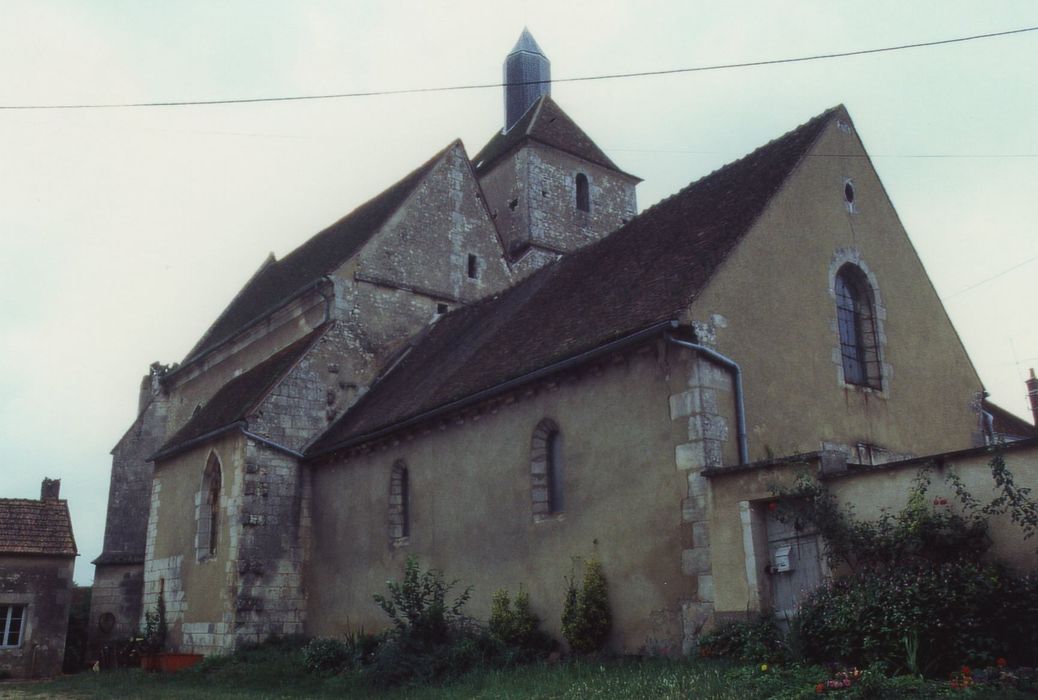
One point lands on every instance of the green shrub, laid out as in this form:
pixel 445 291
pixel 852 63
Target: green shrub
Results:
pixel 418 605
pixel 586 616
pixel 406 660
pixel 431 639
pixel 923 618
pixel 327 656
pixel 518 628
pixel 755 641
pixel 916 594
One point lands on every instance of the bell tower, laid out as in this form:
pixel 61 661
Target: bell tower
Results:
pixel 527 78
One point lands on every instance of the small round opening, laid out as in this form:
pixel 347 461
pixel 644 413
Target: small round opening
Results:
pixel 848 192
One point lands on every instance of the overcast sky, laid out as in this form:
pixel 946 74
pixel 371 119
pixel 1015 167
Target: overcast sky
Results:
pixel 126 231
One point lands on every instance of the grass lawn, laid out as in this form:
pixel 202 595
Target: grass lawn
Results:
pixel 275 672
pixel 649 679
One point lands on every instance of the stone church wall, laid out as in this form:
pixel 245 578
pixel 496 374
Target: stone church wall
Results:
pixel 472 509
pixel 532 194
pixel 426 246
pixel 118 576
pixel 272 548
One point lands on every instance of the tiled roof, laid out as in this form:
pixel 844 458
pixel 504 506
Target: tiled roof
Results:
pixel 642 274
pixel 239 397
pixel 36 527
pixel 277 281
pixel 547 123
pixel 1007 424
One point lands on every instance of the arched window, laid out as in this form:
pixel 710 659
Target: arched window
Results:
pixel 855 317
pixel 208 509
pixel 546 473
pixel 583 193
pixel 399 503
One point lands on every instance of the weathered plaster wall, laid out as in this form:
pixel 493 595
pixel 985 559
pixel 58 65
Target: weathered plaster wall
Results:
pixel 199 592
pixel 44 586
pixel 771 308
pixel 889 488
pixel 472 507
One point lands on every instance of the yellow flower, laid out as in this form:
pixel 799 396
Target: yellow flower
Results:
pixel 764 667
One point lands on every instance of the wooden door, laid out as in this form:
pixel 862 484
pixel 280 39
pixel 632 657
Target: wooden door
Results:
pixel 794 564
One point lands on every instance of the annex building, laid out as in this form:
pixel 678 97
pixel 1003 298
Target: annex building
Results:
pixel 498 366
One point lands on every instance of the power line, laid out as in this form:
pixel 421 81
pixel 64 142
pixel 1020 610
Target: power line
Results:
pixel 992 278
pixel 483 86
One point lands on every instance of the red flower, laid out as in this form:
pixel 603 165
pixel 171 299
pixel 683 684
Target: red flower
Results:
pixel 1000 662
pixel 820 688
pixel 773 506
pixel 966 670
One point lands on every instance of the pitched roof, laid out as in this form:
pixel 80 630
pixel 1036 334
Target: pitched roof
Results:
pixel 36 527
pixel 546 123
pixel 239 397
pixel 642 274
pixel 278 281
pixel 1007 424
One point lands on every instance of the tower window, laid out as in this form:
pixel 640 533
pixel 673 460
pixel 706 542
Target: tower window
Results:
pixel 473 267
pixel 855 317
pixel 583 193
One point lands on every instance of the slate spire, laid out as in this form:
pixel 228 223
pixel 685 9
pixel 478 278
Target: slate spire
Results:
pixel 525 65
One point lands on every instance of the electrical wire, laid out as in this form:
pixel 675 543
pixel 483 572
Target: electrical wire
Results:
pixel 483 86
pixel 992 277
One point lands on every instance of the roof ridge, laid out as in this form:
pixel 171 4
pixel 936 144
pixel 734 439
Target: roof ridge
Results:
pixel 278 282
pixel 571 139
pixel 730 164
pixel 34 500
pixel 271 259
pixel 536 112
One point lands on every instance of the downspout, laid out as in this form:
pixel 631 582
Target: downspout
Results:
pixel 733 367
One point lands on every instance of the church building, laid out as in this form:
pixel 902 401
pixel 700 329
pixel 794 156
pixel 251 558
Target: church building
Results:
pixel 499 367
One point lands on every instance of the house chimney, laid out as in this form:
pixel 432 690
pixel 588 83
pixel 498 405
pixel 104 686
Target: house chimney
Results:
pixel 50 489
pixel 1032 395
pixel 527 78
